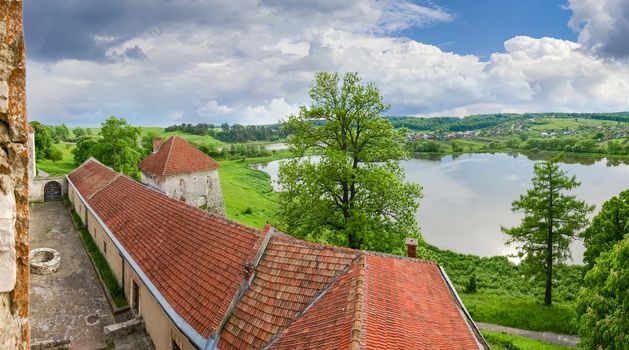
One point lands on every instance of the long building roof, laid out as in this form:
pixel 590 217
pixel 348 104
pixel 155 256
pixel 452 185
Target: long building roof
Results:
pixel 229 286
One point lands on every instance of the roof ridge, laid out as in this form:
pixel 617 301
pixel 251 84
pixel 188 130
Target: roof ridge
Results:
pixel 170 150
pixel 105 186
pixel 314 300
pixel 357 336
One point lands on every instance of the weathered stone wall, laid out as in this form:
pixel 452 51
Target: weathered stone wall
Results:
pixel 14 247
pixel 36 187
pixel 202 189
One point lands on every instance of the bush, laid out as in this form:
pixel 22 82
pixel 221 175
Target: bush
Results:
pixel 470 286
pixel 248 211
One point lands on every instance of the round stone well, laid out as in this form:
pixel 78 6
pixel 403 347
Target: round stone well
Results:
pixel 44 261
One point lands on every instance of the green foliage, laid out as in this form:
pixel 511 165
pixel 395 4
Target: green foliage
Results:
pixel 551 220
pixel 470 286
pixel 61 133
pixel 83 149
pixel 609 226
pixel 60 167
pixel 521 312
pixel 43 140
pixel 55 155
pixel 244 187
pixel 117 146
pixel 104 271
pixel 426 146
pixel 355 195
pixel 603 304
pixel 502 341
pixel 79 132
pixel 457 147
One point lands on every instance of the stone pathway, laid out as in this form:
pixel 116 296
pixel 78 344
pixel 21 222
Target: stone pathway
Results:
pixel 69 303
pixel 549 337
pixel 134 341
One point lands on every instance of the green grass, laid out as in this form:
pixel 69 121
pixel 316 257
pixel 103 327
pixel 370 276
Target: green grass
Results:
pixel 521 312
pixel 198 139
pixel 505 296
pixel 249 196
pixel 547 124
pixel 62 167
pixel 502 341
pixel 101 264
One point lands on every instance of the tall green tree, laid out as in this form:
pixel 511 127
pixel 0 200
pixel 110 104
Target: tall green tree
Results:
pixel 78 132
pixel 354 194
pixel 43 140
pixel 552 219
pixel 118 146
pixel 62 132
pixel 83 149
pixel 603 302
pixel 609 226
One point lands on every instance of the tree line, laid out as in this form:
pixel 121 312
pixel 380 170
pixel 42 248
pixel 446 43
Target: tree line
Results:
pixel 235 133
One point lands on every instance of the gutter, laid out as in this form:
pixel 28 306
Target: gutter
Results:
pixel 195 337
pixel 479 337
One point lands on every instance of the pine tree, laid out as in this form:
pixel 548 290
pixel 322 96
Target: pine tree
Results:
pixel 552 218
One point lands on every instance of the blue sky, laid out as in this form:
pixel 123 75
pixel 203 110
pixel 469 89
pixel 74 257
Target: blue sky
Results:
pixel 481 27
pixel 158 62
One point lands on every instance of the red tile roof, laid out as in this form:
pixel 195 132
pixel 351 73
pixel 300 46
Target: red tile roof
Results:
pixel 295 294
pixel 335 320
pixel 177 156
pixel 194 259
pixel 289 276
pixel 410 306
pixel 91 176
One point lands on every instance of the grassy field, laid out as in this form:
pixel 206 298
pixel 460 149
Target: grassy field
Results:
pixel 506 297
pixel 249 196
pixel 198 139
pixel 62 167
pixel 502 341
pixel 521 312
pixel 548 124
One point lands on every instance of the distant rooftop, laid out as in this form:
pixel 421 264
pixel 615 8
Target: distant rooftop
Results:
pixel 176 156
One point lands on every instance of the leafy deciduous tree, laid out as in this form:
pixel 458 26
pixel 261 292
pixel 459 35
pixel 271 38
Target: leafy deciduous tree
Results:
pixel 603 303
pixel 609 226
pixel 43 140
pixel 551 220
pixel 355 194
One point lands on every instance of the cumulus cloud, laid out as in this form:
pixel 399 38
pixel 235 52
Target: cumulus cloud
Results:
pixel 253 61
pixel 603 26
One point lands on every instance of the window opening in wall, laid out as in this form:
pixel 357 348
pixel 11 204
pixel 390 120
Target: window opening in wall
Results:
pixel 136 298
pixel 175 345
pixel 105 247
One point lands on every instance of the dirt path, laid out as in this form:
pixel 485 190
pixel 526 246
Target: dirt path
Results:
pixel 549 337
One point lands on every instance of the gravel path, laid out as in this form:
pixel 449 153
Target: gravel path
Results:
pixel 549 337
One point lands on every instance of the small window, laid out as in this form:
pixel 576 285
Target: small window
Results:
pixel 104 246
pixel 175 345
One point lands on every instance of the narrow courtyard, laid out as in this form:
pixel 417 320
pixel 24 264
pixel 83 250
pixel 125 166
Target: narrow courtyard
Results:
pixel 70 303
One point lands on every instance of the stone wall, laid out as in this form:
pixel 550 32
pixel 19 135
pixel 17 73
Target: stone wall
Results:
pixel 14 247
pixel 36 187
pixel 202 189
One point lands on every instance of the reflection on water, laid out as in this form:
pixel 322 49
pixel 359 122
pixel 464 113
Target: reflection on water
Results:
pixel 468 197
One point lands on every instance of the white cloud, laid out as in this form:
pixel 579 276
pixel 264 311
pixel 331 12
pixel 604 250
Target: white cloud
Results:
pixel 212 108
pixel 270 112
pixel 260 71
pixel 603 25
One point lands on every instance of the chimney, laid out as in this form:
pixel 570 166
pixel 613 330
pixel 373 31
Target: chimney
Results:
pixel 156 143
pixel 411 247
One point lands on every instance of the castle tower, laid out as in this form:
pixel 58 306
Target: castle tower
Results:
pixel 182 172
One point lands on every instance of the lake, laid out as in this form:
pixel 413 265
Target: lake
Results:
pixel 467 198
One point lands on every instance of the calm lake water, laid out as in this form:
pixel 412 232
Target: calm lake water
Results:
pixel 467 198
